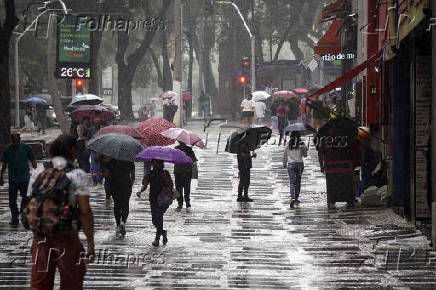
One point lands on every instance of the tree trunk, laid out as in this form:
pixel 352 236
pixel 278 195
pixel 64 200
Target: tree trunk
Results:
pixel 125 92
pixel 96 42
pixel 52 84
pixel 157 67
pixel 6 29
pixel 166 68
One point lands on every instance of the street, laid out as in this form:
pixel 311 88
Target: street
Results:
pixel 222 244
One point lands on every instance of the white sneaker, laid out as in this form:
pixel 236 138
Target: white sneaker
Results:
pixel 188 209
pixel 117 231
pixel 179 208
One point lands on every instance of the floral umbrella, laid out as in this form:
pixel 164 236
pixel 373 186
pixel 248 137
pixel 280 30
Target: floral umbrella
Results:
pixel 92 111
pixel 122 129
pixel 285 94
pixel 151 129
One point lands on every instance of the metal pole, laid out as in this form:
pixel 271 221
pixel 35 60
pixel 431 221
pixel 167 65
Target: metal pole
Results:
pixel 218 144
pixel 17 85
pixel 253 64
pixel 433 129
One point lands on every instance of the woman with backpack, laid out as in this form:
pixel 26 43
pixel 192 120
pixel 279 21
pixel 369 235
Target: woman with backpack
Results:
pixel 159 180
pixel 56 241
pixel 293 161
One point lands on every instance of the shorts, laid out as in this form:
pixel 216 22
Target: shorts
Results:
pixel 247 114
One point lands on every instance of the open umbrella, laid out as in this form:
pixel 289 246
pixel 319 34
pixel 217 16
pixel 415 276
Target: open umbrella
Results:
pixel 187 96
pixel 151 129
pixel 300 90
pixel 258 135
pixel 285 94
pixel 339 127
pixel 165 154
pixel 168 95
pixel 260 96
pixel 87 99
pixel 36 100
pixel 92 111
pixel 70 108
pixel 184 136
pixel 122 129
pixel 303 129
pixel 117 146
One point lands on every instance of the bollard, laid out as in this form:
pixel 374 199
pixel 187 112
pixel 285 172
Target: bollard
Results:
pixel 207 135
pixel 218 144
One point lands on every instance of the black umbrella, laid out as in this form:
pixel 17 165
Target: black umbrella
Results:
pixel 258 135
pixel 339 127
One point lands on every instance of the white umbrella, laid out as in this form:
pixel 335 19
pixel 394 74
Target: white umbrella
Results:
pixel 168 95
pixel 260 96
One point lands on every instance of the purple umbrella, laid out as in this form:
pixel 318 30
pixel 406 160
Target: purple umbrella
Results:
pixel 165 154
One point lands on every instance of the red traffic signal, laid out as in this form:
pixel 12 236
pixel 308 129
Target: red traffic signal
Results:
pixel 242 79
pixel 79 83
pixel 245 62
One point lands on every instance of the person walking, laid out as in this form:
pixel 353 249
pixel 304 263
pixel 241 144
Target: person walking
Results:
pixel 158 179
pixel 293 161
pixel 319 112
pixel 281 113
pixel 29 125
pixel 84 131
pixel 120 178
pixel 183 177
pixel 95 168
pixel 273 110
pixel 293 112
pixel 244 165
pixel 260 108
pixel 63 249
pixel 17 156
pixel 41 116
pixel 248 110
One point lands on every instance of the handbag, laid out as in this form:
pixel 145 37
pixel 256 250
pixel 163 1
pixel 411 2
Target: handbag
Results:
pixel 194 170
pixel 165 197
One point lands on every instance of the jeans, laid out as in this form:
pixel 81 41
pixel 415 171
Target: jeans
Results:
pixel 157 213
pixel 14 187
pixel 295 170
pixel 121 203
pixel 274 122
pixel 244 181
pixel 183 186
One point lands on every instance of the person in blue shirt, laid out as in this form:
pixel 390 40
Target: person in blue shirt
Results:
pixel 17 155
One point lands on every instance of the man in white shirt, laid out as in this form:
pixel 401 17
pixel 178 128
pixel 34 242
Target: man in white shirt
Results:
pixel 260 111
pixel 248 110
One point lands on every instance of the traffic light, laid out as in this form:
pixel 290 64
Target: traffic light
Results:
pixel 245 65
pixel 79 85
pixel 242 79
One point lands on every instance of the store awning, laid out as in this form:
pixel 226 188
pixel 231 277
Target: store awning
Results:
pixel 330 42
pixel 346 77
pixel 330 12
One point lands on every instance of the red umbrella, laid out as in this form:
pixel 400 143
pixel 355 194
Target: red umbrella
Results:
pixel 151 130
pixel 122 129
pixel 92 111
pixel 285 94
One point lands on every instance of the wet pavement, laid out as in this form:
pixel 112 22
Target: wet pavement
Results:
pixel 222 244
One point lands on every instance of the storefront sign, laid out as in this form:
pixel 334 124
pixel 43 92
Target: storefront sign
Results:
pixel 339 56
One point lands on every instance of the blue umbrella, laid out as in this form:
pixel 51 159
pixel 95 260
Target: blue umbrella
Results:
pixel 35 100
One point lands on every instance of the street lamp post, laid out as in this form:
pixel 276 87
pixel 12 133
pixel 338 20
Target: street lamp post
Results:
pixel 17 61
pixel 252 38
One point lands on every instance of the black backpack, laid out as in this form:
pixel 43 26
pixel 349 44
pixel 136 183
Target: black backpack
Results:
pixel 51 208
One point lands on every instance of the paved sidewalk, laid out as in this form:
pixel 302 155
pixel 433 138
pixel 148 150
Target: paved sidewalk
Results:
pixel 261 245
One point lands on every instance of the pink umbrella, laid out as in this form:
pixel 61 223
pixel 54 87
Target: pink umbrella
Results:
pixel 122 129
pixel 184 136
pixel 151 129
pixel 284 94
pixel 300 91
pixel 168 95
pixel 187 96
pixel 92 111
